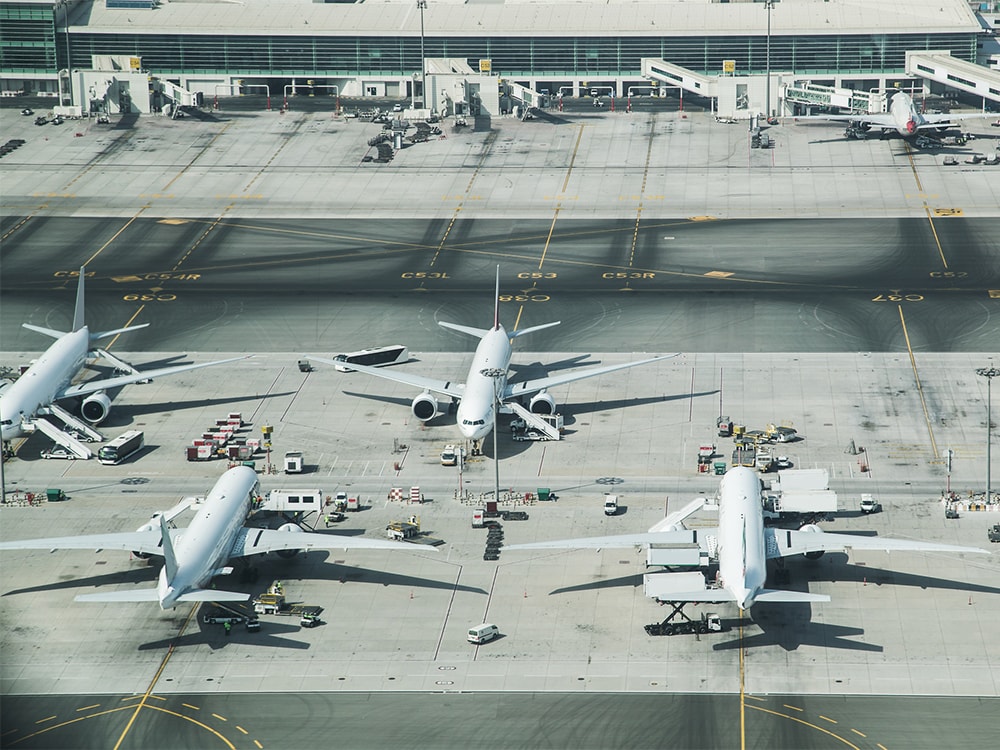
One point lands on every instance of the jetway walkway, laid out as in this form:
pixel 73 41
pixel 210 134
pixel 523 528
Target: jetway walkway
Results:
pixel 527 97
pixel 942 67
pixel 656 69
pixel 815 95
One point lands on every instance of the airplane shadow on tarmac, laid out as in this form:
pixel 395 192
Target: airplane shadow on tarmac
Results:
pixel 214 637
pixel 137 575
pixel 789 625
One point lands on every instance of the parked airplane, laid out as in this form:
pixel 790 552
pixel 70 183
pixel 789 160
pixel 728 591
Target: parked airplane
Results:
pixel 49 379
pixel 193 556
pixel 902 117
pixel 481 391
pixel 745 545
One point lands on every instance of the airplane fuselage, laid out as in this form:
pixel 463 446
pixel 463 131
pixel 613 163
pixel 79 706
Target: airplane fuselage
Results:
pixel 475 410
pixel 742 561
pixel 204 547
pixel 53 371
pixel 904 115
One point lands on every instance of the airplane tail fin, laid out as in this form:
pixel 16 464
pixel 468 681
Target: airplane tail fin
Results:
pixel 170 559
pixel 138 595
pixel 78 321
pixel 496 302
pixel 775 595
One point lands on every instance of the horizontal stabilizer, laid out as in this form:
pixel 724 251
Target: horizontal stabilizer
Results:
pixel 526 331
pixel 46 331
pixel 138 595
pixel 115 332
pixel 774 595
pixel 212 595
pixel 477 332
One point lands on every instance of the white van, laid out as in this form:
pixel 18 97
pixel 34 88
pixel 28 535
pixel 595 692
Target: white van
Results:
pixel 483 633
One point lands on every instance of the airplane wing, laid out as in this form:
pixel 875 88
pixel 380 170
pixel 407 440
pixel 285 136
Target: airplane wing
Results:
pixel 944 120
pixel 618 541
pixel 144 542
pixel 446 387
pixel 529 387
pixel 257 541
pixel 92 386
pixel 785 542
pixel 876 120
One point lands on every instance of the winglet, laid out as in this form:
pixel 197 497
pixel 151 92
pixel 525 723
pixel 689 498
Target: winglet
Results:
pixel 169 558
pixel 78 321
pixel 496 304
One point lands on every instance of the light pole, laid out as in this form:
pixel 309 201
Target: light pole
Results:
pixel 422 6
pixel 989 373
pixel 768 5
pixel 494 374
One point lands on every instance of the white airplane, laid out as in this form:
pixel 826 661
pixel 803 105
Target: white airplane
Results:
pixel 193 556
pixel 745 545
pixel 49 379
pixel 902 117
pixel 480 392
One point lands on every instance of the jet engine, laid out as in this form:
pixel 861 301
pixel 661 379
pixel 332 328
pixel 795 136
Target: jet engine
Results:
pixel 813 528
pixel 153 525
pixel 426 407
pixel 542 403
pixel 289 528
pixel 95 408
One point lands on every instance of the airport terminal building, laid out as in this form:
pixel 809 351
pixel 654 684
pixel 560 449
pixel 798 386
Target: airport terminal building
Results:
pixel 375 48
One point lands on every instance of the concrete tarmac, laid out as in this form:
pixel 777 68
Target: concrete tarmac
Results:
pixel 649 231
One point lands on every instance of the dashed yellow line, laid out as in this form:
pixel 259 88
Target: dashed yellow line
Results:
pixel 920 389
pixel 817 727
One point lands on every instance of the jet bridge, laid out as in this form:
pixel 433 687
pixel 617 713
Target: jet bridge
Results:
pixel 656 69
pixel 815 95
pixel 940 66
pixel 527 97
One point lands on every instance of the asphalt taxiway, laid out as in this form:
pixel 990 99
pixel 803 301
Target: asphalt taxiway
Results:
pixel 770 271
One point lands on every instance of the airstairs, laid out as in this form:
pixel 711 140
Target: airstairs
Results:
pixel 68 419
pixel 537 421
pixel 67 441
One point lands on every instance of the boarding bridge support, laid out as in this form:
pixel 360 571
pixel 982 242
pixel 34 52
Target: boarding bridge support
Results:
pixel 941 67
pixel 69 442
pixel 815 95
pixel 536 421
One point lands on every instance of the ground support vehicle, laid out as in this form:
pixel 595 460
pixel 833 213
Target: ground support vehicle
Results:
pixel 677 622
pixel 869 504
pixel 610 505
pixel 994 533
